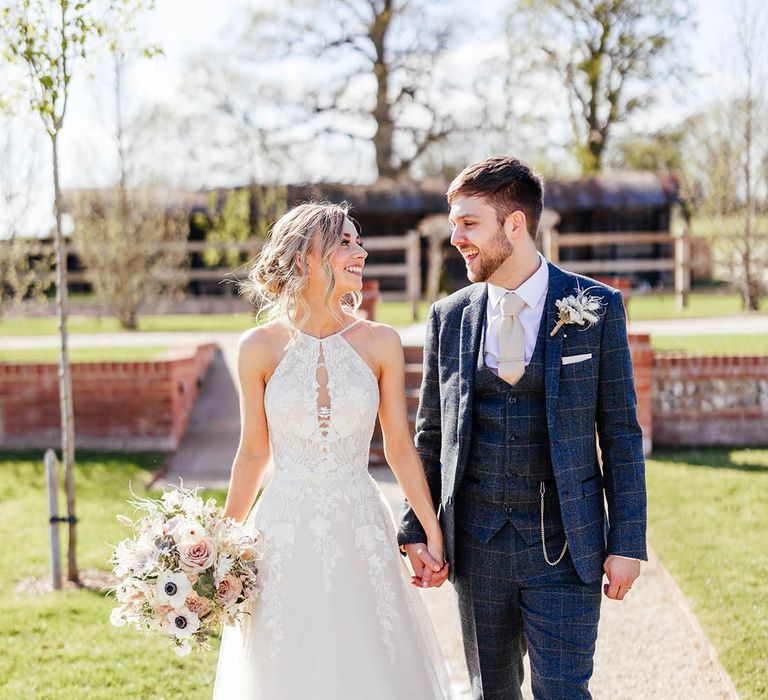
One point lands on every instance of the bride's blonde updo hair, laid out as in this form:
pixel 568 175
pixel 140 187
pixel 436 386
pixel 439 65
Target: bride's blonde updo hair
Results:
pixel 278 276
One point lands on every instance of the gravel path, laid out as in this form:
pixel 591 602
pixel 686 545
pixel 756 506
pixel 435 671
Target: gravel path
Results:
pixel 649 645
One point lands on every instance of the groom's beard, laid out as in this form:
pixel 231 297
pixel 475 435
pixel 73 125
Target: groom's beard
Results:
pixel 492 258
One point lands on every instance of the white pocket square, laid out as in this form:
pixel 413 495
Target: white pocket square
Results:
pixel 572 359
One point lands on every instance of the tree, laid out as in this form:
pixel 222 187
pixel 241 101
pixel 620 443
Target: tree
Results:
pixel 662 150
pixel 25 263
pixel 133 247
pixel 25 271
pixel 726 148
pixel 751 23
pixel 233 221
pixel 50 38
pixel 134 250
pixel 437 230
pixel 370 76
pixel 609 55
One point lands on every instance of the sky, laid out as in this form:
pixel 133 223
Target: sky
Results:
pixel 186 28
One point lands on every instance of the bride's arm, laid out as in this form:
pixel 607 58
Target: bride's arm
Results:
pixel 399 449
pixel 253 451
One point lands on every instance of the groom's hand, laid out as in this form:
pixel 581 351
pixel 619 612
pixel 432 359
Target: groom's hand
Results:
pixel 621 573
pixel 427 572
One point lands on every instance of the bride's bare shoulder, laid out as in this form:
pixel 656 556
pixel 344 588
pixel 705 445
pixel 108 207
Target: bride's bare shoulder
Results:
pixel 383 341
pixel 381 331
pixel 261 347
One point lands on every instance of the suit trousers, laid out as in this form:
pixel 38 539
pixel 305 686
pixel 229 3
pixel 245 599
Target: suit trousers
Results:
pixel 510 600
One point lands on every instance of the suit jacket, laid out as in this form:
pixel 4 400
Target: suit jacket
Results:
pixel 593 395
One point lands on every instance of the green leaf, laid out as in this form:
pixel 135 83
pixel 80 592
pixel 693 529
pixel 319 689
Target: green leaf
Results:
pixel 204 586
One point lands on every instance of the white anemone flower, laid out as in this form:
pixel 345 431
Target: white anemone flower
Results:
pixel 182 623
pixel 172 588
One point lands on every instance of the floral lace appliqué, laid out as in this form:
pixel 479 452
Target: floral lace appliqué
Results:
pixel 321 404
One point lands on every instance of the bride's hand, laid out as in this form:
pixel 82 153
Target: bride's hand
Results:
pixel 429 577
pixel 435 547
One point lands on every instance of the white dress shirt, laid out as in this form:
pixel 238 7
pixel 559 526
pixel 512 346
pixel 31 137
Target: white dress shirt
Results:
pixel 534 293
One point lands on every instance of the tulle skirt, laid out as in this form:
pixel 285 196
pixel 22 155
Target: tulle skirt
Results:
pixel 337 619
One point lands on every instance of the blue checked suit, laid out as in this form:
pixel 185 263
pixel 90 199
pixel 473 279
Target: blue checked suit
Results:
pixel 581 399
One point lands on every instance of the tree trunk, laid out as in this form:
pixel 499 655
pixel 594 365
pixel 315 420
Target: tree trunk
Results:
pixel 595 149
pixel 128 319
pixel 434 268
pixel 382 139
pixel 65 378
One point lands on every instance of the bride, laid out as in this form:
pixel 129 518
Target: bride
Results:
pixel 337 617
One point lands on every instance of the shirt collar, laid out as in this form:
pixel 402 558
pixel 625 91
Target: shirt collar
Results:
pixel 529 291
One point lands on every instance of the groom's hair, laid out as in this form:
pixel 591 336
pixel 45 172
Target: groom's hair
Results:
pixel 507 184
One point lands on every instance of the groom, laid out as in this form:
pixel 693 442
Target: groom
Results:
pixel 512 405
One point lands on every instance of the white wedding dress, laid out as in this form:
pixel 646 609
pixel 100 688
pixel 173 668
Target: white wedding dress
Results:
pixel 337 618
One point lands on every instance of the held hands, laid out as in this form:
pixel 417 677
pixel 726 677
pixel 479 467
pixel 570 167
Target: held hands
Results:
pixel 621 575
pixel 427 563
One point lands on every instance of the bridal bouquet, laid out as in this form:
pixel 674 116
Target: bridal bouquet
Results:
pixel 185 570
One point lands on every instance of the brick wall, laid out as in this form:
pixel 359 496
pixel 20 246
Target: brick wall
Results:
pixel 702 401
pixel 642 363
pixel 118 405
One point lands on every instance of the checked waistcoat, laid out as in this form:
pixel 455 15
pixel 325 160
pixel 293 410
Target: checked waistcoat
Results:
pixel 509 452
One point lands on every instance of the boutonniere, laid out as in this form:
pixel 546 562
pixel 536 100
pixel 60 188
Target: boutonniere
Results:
pixel 582 309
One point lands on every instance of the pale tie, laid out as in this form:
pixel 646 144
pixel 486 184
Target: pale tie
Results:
pixel 511 339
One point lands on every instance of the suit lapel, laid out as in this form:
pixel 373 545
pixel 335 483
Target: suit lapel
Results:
pixel 472 319
pixel 557 289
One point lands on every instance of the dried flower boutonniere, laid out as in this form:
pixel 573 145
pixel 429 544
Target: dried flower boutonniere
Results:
pixel 583 309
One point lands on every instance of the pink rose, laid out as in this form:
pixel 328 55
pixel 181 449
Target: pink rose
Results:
pixel 197 556
pixel 229 589
pixel 200 606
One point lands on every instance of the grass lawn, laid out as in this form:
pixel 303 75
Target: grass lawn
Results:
pixel 394 313
pixel 707 522
pixel 108 354
pixel 61 646
pixel 655 306
pixel 399 313
pixel 714 225
pixel 721 344
pixel 46 325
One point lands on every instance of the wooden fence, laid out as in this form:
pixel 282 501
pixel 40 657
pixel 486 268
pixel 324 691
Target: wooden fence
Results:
pixel 409 270
pixel 679 262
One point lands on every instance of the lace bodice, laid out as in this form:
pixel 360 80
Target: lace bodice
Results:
pixel 321 404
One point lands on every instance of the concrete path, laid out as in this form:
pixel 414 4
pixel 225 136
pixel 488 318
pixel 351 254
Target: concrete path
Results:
pixel 726 325
pixel 411 335
pixel 209 445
